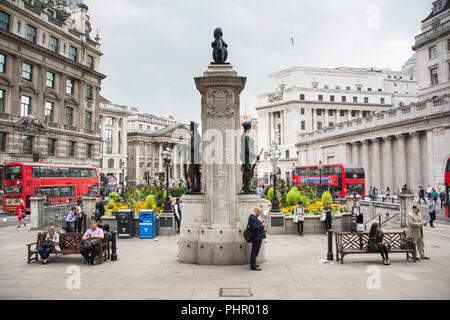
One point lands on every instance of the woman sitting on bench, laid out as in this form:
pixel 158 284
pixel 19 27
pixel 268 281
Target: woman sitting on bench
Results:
pixel 51 240
pixel 376 241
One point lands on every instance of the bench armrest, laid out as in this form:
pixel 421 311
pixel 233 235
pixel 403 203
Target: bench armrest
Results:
pixel 30 244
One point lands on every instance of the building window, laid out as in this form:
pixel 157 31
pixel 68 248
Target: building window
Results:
pixel 330 112
pixel 25 106
pixel 319 112
pixel 90 62
pixel 434 76
pixel 355 99
pixel 365 113
pixel 88 151
pixel 69 86
pixel 51 146
pixel 302 96
pixel 302 110
pixel 73 53
pixel 27 70
pixel 303 125
pixel 120 122
pixel 3 141
pixel 119 142
pixel 437 6
pixel 344 98
pixel 2 63
pixel 395 84
pixel 89 92
pixel 325 86
pixel 319 125
pixel 331 98
pixel 71 149
pixel 320 97
pixel 2 100
pixel 27 144
pixel 50 82
pixel 111 120
pixel 366 99
pixel 50 13
pixel 287 154
pixel 358 88
pixel 382 100
pixel 331 123
pixel 337 87
pixel 69 116
pixel 348 88
pixel 109 141
pixel 4 21
pixel 379 90
pixel 88 120
pixel 315 85
pixel 110 163
pixel 354 113
pixel 49 109
pixel 448 44
pixel 31 33
pixel 342 113
pixel 369 89
pixel 432 52
pixel 53 44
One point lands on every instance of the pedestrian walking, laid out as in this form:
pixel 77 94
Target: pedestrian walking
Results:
pixel 388 193
pixel 435 195
pixel 376 241
pixel 99 210
pixel 442 196
pixel 299 212
pixel 20 211
pixel 177 213
pixel 422 194
pixel 51 241
pixel 257 229
pixel 70 219
pixel 327 212
pixel 429 190
pixel 415 230
pixel 431 209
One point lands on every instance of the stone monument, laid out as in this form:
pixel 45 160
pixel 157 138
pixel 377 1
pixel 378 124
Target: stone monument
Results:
pixel 215 219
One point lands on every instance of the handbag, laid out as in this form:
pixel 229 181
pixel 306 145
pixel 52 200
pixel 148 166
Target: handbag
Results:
pixel 248 234
pixel 323 216
pixel 372 244
pixel 407 243
pixel 89 244
pixel 47 244
pixel 295 219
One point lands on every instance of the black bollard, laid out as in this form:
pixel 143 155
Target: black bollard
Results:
pixel 113 248
pixel 330 245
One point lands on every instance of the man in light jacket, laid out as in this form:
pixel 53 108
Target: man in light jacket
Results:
pixel 257 228
pixel 415 230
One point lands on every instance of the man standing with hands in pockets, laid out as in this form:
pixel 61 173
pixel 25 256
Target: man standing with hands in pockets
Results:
pixel 257 228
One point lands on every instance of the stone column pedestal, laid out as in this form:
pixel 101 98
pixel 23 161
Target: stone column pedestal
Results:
pixel 167 224
pixel 406 202
pixel 275 223
pixel 36 202
pixel 89 202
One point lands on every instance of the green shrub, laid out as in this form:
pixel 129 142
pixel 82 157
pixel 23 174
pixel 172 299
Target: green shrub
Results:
pixel 114 196
pixel 270 194
pixel 293 196
pixel 110 204
pixel 177 192
pixel 304 199
pixel 326 197
pixel 149 201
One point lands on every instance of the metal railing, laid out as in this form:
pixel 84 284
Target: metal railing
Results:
pixel 380 223
pixel 54 212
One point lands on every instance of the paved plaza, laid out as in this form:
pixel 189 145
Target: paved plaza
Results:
pixel 148 269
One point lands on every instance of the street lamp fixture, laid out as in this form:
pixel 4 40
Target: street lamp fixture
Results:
pixel 274 156
pixel 166 155
pixel 320 177
pixel 122 167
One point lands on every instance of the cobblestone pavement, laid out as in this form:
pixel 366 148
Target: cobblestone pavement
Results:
pixel 148 269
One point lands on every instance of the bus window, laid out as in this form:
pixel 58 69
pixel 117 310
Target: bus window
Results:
pixel 13 189
pixel 36 172
pixel 93 174
pixel 12 172
pixel 74 172
pixel 56 192
pixel 65 191
pixel 46 172
pixel 64 172
pixel 84 173
pixel 55 172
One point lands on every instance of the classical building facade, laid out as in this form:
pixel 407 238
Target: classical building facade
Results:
pixel 306 99
pixel 147 135
pixel 114 143
pixel 403 145
pixel 49 83
pixel 432 48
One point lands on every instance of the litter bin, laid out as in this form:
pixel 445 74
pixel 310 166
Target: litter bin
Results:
pixel 147 223
pixel 125 223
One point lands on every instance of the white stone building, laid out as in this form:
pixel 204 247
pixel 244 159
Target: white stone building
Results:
pixel 432 48
pixel 114 146
pixel 305 99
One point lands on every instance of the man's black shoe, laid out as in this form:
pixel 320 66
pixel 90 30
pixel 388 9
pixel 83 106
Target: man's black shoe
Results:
pixel 256 269
pixel 258 266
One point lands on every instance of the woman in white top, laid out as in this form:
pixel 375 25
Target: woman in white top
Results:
pixel 51 240
pixel 300 213
pixel 431 209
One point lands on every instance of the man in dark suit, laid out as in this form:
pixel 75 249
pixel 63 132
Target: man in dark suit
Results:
pixel 257 228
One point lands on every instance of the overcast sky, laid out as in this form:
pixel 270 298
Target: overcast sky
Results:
pixel 150 46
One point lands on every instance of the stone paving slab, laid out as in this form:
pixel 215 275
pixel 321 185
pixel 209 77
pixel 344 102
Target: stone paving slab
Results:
pixel 148 269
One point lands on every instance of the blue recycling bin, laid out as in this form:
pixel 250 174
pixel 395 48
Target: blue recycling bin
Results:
pixel 147 224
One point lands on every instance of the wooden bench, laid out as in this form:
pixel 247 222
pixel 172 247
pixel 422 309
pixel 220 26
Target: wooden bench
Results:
pixel 69 243
pixel 351 242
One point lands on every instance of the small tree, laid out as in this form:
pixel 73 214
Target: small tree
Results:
pixel 293 196
pixel 326 197
pixel 149 200
pixel 270 194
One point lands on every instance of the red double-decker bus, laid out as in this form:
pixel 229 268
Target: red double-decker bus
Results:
pixel 340 179
pixel 447 186
pixel 58 182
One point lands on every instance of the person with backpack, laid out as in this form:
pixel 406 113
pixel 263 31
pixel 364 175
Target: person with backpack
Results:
pixel 257 229
pixel 422 194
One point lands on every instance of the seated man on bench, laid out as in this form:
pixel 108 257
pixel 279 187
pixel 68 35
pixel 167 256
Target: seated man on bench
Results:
pixel 92 239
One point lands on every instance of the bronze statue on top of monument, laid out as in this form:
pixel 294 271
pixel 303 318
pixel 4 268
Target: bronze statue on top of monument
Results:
pixel 194 160
pixel 219 46
pixel 248 158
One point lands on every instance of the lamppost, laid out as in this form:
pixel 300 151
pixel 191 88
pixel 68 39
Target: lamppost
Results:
pixel 274 155
pixel 166 155
pixel 122 167
pixel 320 177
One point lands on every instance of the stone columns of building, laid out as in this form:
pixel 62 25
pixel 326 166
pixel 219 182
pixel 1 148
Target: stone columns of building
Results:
pixel 146 149
pixel 355 152
pixel 388 179
pixel 160 161
pixel 366 162
pixel 401 165
pixel 175 162
pixel 416 164
pixel 376 165
pixel 348 153
pixel 430 160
